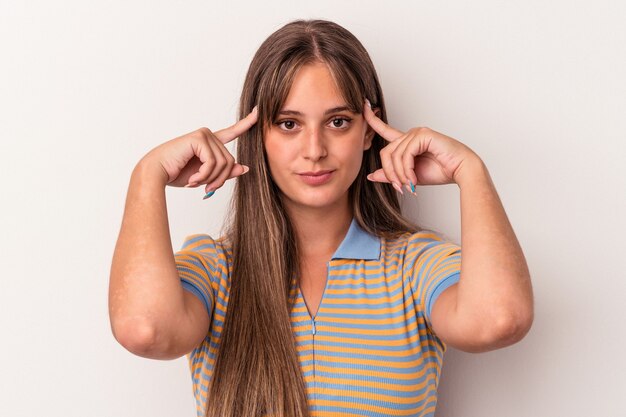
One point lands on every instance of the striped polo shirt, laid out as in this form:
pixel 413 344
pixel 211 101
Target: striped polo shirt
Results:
pixel 370 349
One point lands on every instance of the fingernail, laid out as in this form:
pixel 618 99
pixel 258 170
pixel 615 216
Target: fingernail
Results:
pixel 255 109
pixel 191 184
pixel 209 194
pixel 368 103
pixel 245 169
pixel 411 188
pixel 397 187
pixel 370 176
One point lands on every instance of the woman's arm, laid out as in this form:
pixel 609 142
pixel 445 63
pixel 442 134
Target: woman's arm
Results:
pixel 492 305
pixel 151 314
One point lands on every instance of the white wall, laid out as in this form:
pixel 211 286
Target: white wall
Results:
pixel 537 89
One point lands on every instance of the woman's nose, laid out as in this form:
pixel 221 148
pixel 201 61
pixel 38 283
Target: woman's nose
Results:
pixel 314 145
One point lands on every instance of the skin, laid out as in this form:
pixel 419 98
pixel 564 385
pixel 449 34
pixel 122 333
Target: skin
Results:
pixel 492 305
pixel 152 316
pixel 308 135
pixel 315 131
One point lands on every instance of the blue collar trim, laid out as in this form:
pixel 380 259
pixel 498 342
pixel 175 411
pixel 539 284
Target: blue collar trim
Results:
pixel 358 244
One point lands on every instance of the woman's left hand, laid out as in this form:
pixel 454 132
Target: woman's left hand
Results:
pixel 420 156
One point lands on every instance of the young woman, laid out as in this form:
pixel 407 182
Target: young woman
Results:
pixel 320 298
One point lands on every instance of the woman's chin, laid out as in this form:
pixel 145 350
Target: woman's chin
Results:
pixel 314 199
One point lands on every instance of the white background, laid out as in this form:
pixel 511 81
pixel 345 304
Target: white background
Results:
pixel 536 88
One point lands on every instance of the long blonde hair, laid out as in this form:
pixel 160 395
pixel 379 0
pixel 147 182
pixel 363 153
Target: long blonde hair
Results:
pixel 256 368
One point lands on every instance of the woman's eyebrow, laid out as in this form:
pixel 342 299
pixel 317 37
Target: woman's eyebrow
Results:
pixel 327 112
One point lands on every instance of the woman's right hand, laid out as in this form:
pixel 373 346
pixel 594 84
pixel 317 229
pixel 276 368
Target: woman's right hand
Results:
pixel 200 157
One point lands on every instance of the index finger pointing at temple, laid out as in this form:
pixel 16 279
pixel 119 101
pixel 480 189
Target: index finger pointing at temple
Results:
pixel 382 128
pixel 227 134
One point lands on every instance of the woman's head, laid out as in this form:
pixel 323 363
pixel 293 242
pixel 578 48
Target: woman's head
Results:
pixel 316 131
pixel 285 58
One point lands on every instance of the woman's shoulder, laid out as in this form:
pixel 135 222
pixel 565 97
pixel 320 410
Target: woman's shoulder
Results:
pixel 423 256
pixel 204 243
pixel 416 243
pixel 420 237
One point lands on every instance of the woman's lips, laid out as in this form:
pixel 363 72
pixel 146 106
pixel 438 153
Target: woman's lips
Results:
pixel 317 179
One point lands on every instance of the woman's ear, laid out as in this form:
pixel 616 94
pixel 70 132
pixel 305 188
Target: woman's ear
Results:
pixel 370 133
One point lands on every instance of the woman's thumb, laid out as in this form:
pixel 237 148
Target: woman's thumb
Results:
pixel 378 176
pixel 238 170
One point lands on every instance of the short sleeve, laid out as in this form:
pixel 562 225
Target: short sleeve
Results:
pixel 198 264
pixel 437 266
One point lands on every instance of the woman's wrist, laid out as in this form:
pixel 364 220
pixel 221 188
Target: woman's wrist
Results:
pixel 150 172
pixel 472 170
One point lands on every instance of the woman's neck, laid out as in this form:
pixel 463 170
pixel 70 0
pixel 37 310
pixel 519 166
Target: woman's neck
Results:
pixel 320 231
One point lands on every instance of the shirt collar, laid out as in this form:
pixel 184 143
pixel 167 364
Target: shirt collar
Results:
pixel 358 244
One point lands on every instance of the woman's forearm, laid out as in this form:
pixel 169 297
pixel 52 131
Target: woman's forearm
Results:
pixel 495 288
pixel 145 293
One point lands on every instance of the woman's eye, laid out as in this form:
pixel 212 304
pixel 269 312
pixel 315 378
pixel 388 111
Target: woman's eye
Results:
pixel 287 124
pixel 340 122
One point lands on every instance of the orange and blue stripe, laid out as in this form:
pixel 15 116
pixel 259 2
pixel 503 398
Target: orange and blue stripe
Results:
pixel 370 349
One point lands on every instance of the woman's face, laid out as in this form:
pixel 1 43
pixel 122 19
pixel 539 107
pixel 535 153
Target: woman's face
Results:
pixel 315 132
